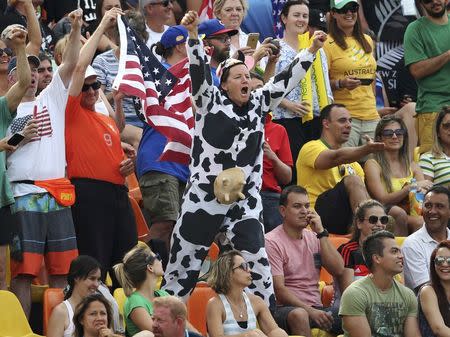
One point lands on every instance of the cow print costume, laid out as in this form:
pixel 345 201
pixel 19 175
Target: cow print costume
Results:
pixel 226 136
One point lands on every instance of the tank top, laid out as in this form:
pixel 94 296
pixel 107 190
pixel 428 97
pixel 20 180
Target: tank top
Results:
pixel 71 327
pixel 230 325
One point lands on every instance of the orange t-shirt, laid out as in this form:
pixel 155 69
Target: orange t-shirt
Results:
pixel 93 148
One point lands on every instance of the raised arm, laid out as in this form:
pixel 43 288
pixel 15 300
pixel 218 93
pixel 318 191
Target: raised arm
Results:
pixel 89 48
pixel 15 94
pixel 71 52
pixel 34 30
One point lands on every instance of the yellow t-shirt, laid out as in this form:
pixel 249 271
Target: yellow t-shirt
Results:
pixel 353 62
pixel 318 181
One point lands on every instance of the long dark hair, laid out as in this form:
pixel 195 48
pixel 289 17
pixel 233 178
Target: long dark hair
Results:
pixel 339 36
pixel 437 285
pixel 81 308
pixel 80 268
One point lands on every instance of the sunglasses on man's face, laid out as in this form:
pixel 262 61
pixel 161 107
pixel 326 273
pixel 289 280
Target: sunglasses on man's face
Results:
pixel 244 266
pixel 426 2
pixel 96 85
pixel 388 133
pixel 440 260
pixel 164 3
pixel 7 51
pixel 350 7
pixel 373 219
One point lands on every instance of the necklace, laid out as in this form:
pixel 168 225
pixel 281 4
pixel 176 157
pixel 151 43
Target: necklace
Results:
pixel 240 309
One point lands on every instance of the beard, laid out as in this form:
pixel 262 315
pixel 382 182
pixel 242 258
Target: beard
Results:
pixel 436 15
pixel 220 55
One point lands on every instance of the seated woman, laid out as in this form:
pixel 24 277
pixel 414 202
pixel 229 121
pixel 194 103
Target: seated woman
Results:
pixel 93 318
pixel 434 297
pixel 83 279
pixel 138 275
pixel 233 312
pixel 389 174
pixel 436 163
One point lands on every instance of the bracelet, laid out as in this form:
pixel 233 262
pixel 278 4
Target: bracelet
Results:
pixel 323 234
pixel 337 84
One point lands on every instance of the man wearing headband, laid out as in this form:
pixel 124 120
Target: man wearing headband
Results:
pixel 427 56
pixel 228 134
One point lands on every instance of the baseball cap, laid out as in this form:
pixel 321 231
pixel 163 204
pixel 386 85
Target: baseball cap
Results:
pixel 341 3
pixel 173 36
pixel 13 62
pixel 7 31
pixel 214 27
pixel 90 71
pixel 317 19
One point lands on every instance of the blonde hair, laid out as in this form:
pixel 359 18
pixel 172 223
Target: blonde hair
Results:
pixel 174 304
pixel 220 276
pixel 59 48
pixel 132 272
pixel 218 5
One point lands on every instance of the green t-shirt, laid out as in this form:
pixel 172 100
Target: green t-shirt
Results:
pixel 136 300
pixel 424 40
pixel 6 196
pixel 386 311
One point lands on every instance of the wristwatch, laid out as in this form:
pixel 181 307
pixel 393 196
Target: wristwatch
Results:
pixel 323 234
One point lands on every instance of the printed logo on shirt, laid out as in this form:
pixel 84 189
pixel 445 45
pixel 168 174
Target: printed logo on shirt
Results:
pixel 108 139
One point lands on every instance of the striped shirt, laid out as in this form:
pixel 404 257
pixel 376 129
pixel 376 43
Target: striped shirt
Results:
pixel 230 325
pixel 436 168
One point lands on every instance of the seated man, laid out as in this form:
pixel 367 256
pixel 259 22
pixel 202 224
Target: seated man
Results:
pixel 418 247
pixel 296 255
pixel 328 171
pixel 377 305
pixel 170 317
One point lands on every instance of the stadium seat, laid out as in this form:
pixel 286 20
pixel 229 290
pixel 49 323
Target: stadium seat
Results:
pixel 400 240
pixel 120 298
pixel 336 241
pixel 321 333
pixel 141 224
pixel 196 307
pixel 13 322
pixel 52 297
pixel 133 188
pixel 326 295
pixel 213 253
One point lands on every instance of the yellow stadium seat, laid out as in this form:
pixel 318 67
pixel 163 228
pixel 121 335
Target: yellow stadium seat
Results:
pixel 321 333
pixel 400 240
pixel 416 155
pixel 13 322
pixel 120 298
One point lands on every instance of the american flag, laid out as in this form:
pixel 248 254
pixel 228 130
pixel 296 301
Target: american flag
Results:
pixel 277 6
pixel 42 119
pixel 206 10
pixel 141 75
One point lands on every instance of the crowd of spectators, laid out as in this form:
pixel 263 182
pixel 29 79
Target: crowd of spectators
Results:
pixel 336 122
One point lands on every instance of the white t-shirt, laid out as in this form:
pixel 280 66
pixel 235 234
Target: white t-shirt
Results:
pixel 154 37
pixel 43 157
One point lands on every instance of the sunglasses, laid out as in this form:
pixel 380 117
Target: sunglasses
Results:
pixel 373 219
pixel 164 3
pixel 244 266
pixel 41 70
pixel 152 258
pixel 440 260
pixel 426 2
pixel 352 8
pixel 96 85
pixel 388 133
pixel 446 126
pixel 7 51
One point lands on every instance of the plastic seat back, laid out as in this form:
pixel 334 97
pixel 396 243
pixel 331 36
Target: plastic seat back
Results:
pixel 336 241
pixel 52 297
pixel 120 298
pixel 196 307
pixel 13 322
pixel 141 224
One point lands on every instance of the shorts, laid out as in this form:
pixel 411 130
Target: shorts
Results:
pixel 361 128
pixel 45 229
pixel 424 128
pixel 335 210
pixel 281 314
pixel 8 226
pixel 162 194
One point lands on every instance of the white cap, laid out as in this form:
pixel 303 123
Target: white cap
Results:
pixel 90 72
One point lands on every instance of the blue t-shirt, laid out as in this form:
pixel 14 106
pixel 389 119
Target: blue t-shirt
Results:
pixel 259 19
pixel 150 149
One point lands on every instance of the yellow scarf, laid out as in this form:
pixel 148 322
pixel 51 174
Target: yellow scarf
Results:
pixel 319 80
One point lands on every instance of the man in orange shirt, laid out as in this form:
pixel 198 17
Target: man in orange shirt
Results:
pixel 102 214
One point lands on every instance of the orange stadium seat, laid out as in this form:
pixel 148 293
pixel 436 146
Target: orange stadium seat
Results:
pixel 196 307
pixel 133 188
pixel 336 241
pixel 52 297
pixel 141 224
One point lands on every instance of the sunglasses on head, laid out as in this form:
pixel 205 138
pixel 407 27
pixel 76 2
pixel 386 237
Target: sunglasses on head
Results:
pixel 164 3
pixel 244 266
pixel 7 51
pixel 388 133
pixel 96 85
pixel 373 219
pixel 153 258
pixel 350 7
pixel 440 260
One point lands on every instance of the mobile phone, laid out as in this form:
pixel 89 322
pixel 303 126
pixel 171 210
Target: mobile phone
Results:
pixel 252 40
pixel 15 139
pixel 366 81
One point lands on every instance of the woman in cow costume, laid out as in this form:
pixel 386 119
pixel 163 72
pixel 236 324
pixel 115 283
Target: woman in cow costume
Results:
pixel 229 130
